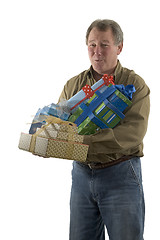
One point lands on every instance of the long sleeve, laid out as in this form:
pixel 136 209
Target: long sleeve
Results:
pixel 127 137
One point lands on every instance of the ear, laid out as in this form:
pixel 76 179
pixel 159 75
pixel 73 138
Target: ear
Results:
pixel 119 48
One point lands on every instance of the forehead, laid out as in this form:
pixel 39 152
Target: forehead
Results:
pixel 98 35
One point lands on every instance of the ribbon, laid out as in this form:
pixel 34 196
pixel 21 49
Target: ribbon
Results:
pixel 101 97
pixel 94 104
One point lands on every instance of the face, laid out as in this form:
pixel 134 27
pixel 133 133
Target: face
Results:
pixel 102 51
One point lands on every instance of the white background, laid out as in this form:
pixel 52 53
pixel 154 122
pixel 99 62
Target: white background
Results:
pixel 42 45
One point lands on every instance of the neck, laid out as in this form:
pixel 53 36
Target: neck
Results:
pixel 98 76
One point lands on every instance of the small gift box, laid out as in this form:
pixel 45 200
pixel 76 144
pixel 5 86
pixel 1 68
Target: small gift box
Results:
pixel 57 139
pixel 47 147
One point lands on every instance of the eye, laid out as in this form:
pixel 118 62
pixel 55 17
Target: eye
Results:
pixel 92 45
pixel 104 45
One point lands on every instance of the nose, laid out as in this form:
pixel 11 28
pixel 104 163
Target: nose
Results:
pixel 97 50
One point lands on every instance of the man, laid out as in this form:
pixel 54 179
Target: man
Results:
pixel 107 190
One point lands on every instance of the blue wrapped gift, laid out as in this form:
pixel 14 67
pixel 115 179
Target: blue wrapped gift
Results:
pixel 58 111
pixel 53 110
pixel 98 99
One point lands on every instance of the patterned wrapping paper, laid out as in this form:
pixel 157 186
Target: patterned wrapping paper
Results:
pixel 61 132
pixel 55 140
pixel 46 147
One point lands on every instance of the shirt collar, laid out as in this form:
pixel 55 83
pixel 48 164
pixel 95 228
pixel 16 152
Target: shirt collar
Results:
pixel 118 70
pixel 116 74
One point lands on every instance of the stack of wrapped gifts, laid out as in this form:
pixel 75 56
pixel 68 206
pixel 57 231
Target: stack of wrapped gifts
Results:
pixel 57 138
pixel 100 106
pixel 57 128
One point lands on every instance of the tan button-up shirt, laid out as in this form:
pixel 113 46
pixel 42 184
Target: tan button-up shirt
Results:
pixel 126 139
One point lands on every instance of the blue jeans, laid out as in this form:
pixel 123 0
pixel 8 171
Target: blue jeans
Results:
pixel 111 197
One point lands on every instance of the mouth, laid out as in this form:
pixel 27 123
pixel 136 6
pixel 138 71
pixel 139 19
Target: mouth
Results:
pixel 98 60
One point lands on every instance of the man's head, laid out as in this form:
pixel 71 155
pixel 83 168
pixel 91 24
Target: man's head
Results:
pixel 104 39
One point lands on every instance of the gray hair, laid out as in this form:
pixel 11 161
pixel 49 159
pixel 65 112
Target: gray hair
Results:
pixel 104 25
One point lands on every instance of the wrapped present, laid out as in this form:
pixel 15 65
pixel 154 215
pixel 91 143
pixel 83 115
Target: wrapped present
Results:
pixel 82 95
pixel 53 110
pixel 61 132
pixel 57 139
pixel 102 110
pixel 58 111
pixel 92 108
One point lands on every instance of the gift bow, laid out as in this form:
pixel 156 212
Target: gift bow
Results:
pixel 108 79
pixel 126 90
pixel 88 91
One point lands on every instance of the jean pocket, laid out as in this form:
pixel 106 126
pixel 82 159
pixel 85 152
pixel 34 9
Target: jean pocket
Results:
pixel 135 170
